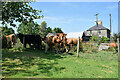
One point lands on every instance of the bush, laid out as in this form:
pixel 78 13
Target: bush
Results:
pixel 89 48
pixel 94 38
pixel 74 48
pixel 104 39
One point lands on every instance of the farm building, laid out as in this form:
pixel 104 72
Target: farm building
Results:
pixel 101 30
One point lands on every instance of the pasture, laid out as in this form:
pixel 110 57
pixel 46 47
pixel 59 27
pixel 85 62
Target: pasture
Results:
pixel 36 64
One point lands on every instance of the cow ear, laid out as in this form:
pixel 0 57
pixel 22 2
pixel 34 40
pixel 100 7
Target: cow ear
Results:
pixel 65 34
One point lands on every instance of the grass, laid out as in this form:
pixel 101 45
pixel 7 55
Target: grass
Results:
pixel 37 64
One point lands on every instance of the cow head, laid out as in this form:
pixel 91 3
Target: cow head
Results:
pixel 62 35
pixel 56 39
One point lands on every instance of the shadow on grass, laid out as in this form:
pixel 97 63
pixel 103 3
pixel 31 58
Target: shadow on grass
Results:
pixel 30 63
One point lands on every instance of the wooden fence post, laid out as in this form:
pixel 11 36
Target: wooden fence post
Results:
pixel 118 49
pixel 78 46
pixel 46 46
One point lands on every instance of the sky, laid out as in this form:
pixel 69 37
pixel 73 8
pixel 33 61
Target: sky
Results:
pixel 77 16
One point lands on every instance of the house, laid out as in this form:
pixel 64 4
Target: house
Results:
pixel 101 31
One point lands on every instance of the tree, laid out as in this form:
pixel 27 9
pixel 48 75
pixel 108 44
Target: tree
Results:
pixel 18 12
pixel 6 31
pixel 115 36
pixel 49 30
pixel 57 30
pixel 29 28
pixel 43 29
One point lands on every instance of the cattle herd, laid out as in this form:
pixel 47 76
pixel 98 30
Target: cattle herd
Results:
pixel 56 41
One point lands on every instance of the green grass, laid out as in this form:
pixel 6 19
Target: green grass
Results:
pixel 37 64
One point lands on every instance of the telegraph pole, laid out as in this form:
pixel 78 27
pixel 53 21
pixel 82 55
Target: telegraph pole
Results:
pixel 97 27
pixel 110 28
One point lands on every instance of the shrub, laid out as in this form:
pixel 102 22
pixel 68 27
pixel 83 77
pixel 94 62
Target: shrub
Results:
pixel 89 48
pixel 104 39
pixel 74 48
pixel 94 38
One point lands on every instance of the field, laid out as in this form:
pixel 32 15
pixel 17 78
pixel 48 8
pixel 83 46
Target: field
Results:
pixel 37 64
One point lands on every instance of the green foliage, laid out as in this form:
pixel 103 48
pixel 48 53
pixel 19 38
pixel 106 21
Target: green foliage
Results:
pixel 90 48
pixel 94 38
pixel 43 29
pixel 104 39
pixel 19 12
pixel 49 30
pixel 115 36
pixel 6 31
pixel 57 30
pixel 74 48
pixel 29 28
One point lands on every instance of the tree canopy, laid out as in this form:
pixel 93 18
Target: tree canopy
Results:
pixel 29 28
pixel 43 29
pixel 57 30
pixel 19 12
pixel 6 31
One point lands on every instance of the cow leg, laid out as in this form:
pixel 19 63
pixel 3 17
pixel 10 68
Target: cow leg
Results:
pixel 46 48
pixel 39 46
pixel 24 45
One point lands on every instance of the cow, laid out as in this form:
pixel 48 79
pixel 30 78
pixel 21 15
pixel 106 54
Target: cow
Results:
pixel 55 39
pixel 113 45
pixel 11 39
pixel 30 39
pixel 63 41
pixel 72 41
pixel 52 40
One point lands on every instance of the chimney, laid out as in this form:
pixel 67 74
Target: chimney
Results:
pixel 100 22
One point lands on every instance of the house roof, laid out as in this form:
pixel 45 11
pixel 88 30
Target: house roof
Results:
pixel 100 27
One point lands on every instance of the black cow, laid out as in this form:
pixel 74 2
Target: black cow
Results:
pixel 31 39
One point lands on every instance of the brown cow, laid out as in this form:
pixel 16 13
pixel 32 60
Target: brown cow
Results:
pixel 113 45
pixel 52 40
pixel 11 38
pixel 63 41
pixel 73 41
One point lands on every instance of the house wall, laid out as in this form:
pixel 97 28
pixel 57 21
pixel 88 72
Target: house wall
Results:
pixel 95 32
